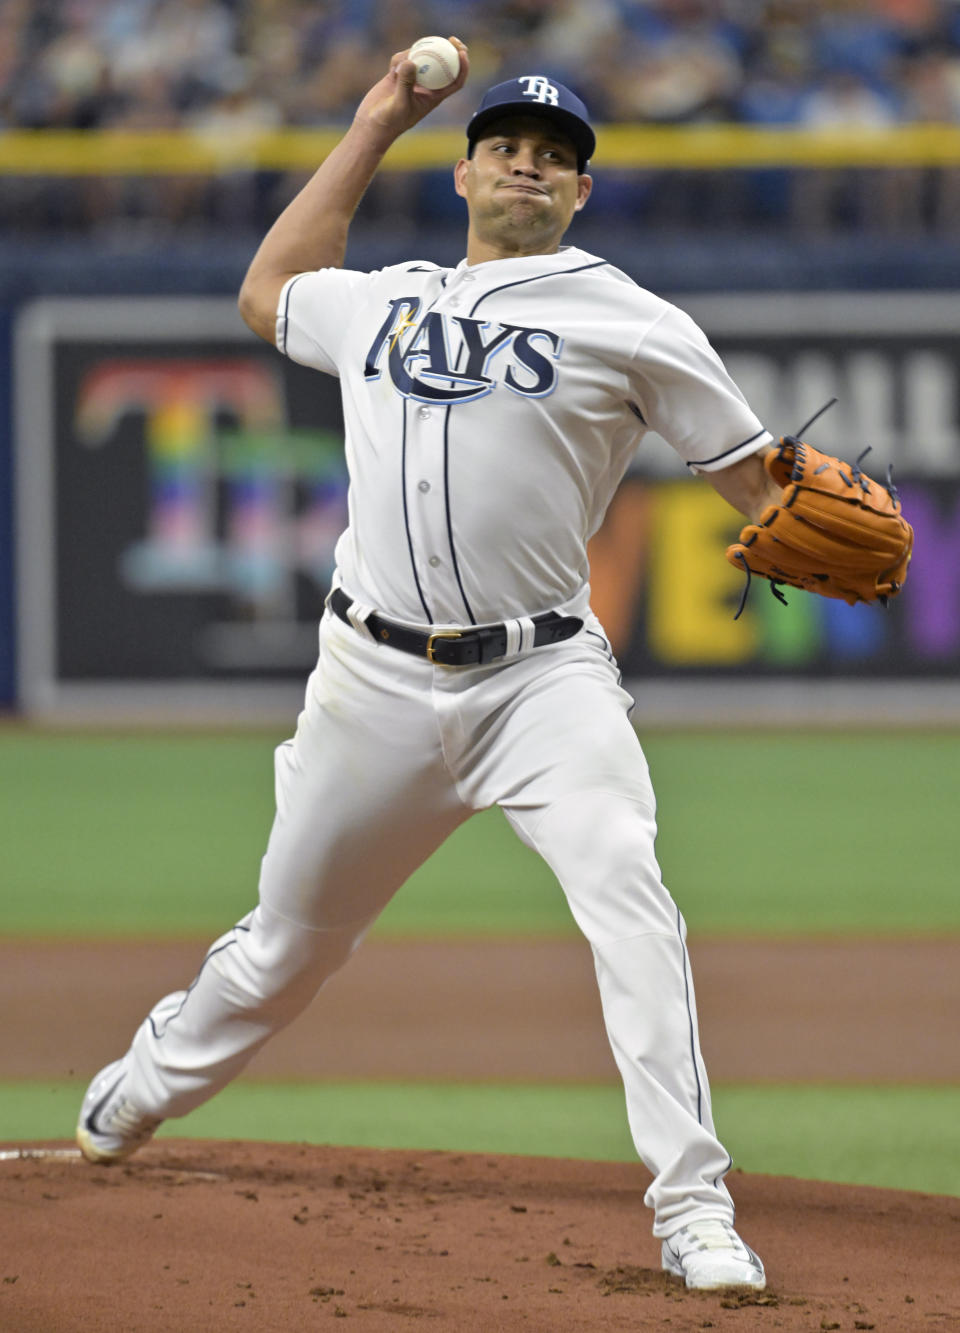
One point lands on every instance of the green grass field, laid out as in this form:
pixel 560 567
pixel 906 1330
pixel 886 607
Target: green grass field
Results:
pixel 147 835
pixel 161 835
pixel 901 1138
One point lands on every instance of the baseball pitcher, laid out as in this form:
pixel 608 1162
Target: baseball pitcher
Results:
pixel 491 410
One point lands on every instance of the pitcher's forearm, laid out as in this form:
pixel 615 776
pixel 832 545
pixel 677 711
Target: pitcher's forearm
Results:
pixel 747 486
pixel 311 232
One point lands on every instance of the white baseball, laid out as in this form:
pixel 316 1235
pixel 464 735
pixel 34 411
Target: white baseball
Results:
pixel 437 62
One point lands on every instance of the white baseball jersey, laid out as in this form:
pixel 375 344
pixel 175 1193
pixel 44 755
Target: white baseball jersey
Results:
pixel 490 414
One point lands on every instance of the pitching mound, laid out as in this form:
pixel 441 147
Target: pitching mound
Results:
pixel 233 1236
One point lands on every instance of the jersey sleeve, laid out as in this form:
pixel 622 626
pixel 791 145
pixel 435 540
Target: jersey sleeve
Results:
pixel 687 396
pixel 314 312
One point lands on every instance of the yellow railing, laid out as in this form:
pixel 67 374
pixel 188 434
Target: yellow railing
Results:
pixel 689 148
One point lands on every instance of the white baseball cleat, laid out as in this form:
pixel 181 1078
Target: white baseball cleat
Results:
pixel 111 1127
pixel 710 1254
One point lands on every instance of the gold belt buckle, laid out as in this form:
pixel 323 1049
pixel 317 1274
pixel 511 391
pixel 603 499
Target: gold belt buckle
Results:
pixel 442 634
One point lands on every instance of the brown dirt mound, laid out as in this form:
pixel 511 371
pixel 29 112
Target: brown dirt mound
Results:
pixel 232 1236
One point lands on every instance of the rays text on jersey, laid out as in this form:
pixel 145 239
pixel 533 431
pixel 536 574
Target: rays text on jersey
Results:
pixel 444 358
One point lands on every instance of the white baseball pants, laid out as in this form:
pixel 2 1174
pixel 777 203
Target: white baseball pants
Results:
pixel 390 755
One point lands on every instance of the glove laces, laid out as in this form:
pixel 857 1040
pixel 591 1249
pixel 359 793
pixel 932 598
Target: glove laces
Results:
pixel 775 588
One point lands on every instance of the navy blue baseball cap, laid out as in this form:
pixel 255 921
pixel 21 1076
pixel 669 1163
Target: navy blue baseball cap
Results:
pixel 536 95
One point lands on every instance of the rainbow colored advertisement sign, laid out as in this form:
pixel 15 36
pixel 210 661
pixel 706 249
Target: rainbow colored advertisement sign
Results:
pixel 181 488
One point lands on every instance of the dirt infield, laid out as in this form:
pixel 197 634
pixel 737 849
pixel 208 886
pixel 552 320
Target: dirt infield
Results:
pixel 210 1236
pixel 219 1236
pixel 867 1010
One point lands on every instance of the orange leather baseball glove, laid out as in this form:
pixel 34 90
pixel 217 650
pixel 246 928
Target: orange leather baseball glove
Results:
pixel 835 531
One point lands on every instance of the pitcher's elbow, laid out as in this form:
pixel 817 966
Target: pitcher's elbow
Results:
pixel 254 314
pixel 246 305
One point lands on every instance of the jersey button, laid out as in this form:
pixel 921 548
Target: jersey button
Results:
pixel 423 486
pixel 434 561
pixel 423 413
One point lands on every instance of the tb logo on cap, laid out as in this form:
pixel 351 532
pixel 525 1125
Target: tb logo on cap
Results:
pixel 540 89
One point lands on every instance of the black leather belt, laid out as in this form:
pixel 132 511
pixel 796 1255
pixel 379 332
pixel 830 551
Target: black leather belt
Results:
pixel 456 647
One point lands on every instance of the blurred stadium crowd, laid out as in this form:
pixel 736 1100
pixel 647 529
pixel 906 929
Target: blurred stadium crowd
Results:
pixel 241 65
